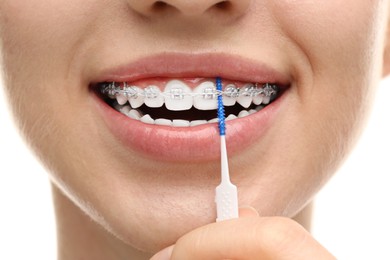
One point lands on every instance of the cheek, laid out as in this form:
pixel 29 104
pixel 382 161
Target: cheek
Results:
pixel 338 45
pixel 43 39
pixel 39 45
pixel 328 35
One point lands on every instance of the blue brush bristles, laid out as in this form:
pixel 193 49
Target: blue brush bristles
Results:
pixel 221 109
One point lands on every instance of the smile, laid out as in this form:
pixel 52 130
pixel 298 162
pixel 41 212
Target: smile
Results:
pixel 178 105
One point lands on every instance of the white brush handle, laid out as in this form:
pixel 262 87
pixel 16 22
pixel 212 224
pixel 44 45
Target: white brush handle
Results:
pixel 226 193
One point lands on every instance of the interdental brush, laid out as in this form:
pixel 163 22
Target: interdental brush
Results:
pixel 226 193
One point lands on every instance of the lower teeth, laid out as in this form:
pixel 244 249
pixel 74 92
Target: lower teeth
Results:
pixel 137 114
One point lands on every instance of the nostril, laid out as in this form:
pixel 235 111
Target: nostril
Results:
pixel 224 5
pixel 161 6
pixel 188 8
pixel 204 10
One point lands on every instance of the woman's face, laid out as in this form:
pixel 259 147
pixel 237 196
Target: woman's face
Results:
pixel 150 183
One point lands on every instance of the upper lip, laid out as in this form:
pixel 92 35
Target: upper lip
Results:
pixel 206 65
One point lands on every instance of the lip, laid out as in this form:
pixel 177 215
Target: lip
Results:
pixel 190 144
pixel 207 65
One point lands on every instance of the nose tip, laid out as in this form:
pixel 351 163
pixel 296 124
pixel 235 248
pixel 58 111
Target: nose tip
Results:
pixel 188 8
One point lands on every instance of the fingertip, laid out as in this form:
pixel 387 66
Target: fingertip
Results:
pixel 247 211
pixel 164 254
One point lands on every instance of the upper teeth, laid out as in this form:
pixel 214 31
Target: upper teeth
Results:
pixel 177 99
pixel 177 96
pixel 206 96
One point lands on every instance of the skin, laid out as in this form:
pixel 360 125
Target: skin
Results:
pixel 51 50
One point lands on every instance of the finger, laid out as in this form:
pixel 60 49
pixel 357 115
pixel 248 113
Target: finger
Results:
pixel 250 238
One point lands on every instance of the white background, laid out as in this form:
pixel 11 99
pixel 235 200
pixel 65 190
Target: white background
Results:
pixel 351 214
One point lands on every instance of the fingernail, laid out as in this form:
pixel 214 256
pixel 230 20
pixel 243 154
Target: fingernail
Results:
pixel 164 254
pixel 248 211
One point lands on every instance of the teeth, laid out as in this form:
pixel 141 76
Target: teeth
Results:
pixel 153 97
pixel 243 113
pixel 245 99
pixel 230 96
pixel 147 119
pixel 252 111
pixel 117 107
pixel 198 122
pixel 259 108
pixel 180 123
pixel 130 91
pixel 135 114
pixel 125 110
pixel 266 100
pixel 207 98
pixel 122 99
pixel 231 117
pixel 163 121
pixel 137 100
pixel 214 120
pixel 258 99
pixel 177 98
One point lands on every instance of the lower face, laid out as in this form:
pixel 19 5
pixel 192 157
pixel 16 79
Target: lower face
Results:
pixel 79 82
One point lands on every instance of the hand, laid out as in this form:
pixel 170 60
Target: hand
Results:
pixel 249 237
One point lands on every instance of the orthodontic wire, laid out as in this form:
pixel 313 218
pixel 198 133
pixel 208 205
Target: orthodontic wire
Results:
pixel 113 89
pixel 226 193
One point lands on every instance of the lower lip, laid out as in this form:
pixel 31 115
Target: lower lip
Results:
pixel 187 144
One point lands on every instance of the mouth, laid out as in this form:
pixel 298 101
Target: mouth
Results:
pixel 185 102
pixel 168 111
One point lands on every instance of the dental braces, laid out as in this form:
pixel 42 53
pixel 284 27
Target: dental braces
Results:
pixel 249 90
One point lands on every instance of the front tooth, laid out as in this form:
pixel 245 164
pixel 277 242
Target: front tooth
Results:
pixel 153 97
pixel 180 123
pixel 121 99
pixel 178 96
pixel 206 96
pixel 231 93
pixel 138 99
pixel 245 99
pixel 163 121
pixel 243 113
pixel 147 119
